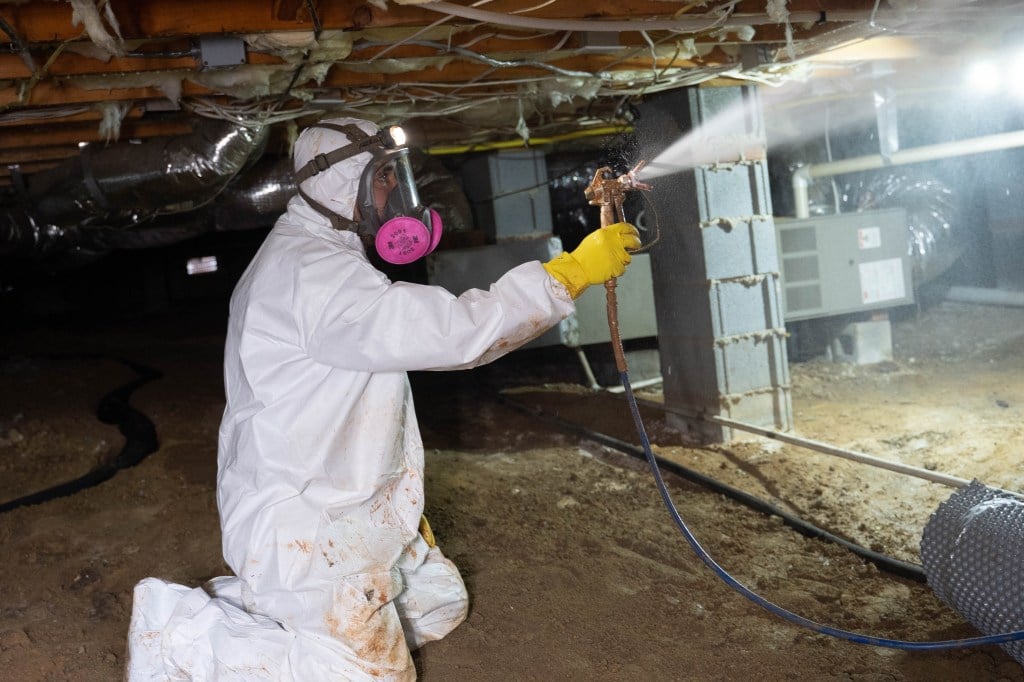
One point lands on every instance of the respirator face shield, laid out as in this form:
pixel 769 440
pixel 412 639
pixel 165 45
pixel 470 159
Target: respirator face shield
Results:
pixel 390 208
pixel 387 189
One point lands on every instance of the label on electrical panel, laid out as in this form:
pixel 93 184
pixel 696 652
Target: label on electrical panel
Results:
pixel 869 237
pixel 881 280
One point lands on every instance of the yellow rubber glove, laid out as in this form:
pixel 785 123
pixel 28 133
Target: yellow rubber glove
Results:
pixel 602 255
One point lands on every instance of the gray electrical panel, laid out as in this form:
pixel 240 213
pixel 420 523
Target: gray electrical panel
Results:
pixel 844 263
pixel 477 268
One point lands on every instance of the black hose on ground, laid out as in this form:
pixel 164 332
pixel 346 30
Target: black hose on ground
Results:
pixel 889 564
pixel 138 430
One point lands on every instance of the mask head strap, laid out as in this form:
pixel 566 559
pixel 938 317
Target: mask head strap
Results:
pixel 358 139
pixel 338 222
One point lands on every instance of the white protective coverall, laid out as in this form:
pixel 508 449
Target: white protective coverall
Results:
pixel 320 482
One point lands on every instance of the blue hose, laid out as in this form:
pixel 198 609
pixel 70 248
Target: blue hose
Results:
pixel 764 603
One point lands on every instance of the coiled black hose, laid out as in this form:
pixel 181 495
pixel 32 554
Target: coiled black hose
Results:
pixel 137 429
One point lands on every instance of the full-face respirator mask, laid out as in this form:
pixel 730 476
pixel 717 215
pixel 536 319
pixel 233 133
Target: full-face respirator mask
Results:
pixel 388 206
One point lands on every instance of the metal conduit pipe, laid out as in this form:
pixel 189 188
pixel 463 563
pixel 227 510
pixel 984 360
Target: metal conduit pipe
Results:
pixel 977 145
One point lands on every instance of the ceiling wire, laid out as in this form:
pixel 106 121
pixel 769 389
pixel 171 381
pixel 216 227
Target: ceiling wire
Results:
pixel 534 8
pixel 420 32
pixel 18 44
pixel 317 26
pixel 496 63
pixel 684 24
pixel 317 29
pixel 445 99
pixel 505 36
pixel 414 35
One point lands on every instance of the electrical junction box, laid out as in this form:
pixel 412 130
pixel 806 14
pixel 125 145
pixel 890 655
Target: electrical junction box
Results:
pixel 477 268
pixel 508 191
pixel 844 263
pixel 217 51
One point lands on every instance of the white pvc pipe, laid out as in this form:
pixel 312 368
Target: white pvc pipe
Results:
pixel 586 368
pixel 825 448
pixel 898 467
pixel 801 179
pixel 653 381
pixel 933 152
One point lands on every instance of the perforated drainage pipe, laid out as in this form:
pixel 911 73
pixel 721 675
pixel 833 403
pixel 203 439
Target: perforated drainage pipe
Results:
pixel 973 555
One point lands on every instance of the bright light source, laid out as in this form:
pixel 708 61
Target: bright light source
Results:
pixel 984 77
pixel 199 266
pixel 397 135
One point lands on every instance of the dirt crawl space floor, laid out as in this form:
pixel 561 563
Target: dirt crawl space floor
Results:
pixel 574 567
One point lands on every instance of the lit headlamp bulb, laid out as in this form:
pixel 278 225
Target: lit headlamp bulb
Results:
pixel 393 136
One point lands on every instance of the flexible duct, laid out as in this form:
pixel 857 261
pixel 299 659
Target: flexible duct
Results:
pixel 256 198
pixel 160 175
pixel 80 205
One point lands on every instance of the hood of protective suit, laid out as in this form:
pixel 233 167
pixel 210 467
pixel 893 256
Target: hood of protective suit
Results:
pixel 337 187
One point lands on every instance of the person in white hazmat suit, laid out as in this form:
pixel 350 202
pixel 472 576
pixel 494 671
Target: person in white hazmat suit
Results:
pixel 320 462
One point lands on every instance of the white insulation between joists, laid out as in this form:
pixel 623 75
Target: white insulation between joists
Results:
pixel 778 11
pixel 87 14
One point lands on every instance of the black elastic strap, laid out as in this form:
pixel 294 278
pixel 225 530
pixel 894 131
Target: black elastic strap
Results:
pixel 338 222
pixel 358 138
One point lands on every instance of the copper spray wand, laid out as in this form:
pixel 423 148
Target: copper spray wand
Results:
pixel 609 192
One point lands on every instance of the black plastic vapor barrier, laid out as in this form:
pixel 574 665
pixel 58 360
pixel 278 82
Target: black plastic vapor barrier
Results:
pixel 892 565
pixel 137 429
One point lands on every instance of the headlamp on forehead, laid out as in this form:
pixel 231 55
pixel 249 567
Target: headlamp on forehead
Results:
pixel 392 136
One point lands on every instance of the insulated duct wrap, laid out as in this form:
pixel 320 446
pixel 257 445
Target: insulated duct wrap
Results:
pixel 160 175
pixel 972 550
pixel 258 197
pixel 126 195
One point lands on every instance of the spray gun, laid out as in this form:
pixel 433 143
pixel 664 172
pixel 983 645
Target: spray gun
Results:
pixel 609 192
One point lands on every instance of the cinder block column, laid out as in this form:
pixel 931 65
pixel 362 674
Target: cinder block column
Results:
pixel 715 269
